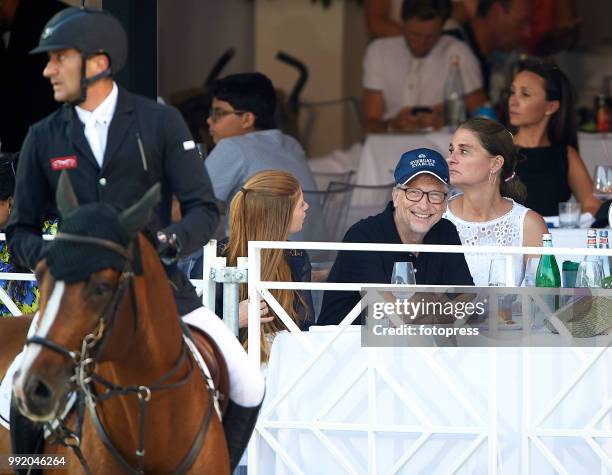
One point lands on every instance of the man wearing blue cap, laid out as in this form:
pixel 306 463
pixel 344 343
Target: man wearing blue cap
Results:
pixel 414 216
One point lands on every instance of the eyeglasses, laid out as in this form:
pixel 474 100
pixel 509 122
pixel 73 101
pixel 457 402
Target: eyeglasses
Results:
pixel 416 195
pixel 217 114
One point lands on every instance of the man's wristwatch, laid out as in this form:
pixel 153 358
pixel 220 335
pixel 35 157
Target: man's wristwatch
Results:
pixel 167 247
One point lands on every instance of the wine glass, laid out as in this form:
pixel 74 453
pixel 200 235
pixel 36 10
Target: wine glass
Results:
pixel 403 273
pixel 602 182
pixel 590 274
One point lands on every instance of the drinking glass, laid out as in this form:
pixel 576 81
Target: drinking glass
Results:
pixel 569 214
pixel 531 269
pixel 497 272
pixel 602 182
pixel 589 274
pixel 497 278
pixel 403 273
pixel 529 280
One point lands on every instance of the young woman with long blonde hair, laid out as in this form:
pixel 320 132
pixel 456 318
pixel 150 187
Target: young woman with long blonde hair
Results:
pixel 268 207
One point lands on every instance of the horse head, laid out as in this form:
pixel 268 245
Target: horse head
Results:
pixel 85 278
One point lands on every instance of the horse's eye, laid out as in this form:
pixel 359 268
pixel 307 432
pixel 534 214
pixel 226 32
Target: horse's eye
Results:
pixel 101 290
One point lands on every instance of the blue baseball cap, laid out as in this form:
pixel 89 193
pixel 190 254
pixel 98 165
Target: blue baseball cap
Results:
pixel 419 161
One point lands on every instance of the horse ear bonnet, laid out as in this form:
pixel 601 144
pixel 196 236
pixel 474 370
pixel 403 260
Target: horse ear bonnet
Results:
pixel 74 262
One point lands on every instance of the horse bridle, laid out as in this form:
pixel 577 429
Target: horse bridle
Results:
pixel 106 322
pixel 85 363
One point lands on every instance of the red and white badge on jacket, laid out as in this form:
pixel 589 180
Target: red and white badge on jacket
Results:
pixel 63 163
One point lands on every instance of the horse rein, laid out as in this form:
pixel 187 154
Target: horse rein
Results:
pixel 84 372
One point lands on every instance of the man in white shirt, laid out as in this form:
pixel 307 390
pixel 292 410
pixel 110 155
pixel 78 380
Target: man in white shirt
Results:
pixel 404 77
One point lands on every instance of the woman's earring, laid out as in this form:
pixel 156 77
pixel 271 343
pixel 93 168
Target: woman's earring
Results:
pixel 492 178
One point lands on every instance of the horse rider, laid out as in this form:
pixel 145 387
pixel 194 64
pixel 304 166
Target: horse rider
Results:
pixel 115 145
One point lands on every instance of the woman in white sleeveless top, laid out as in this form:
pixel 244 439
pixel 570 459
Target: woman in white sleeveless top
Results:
pixel 482 160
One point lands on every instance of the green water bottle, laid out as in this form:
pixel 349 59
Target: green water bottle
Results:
pixel 547 275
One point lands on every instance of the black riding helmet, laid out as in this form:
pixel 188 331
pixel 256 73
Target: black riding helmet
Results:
pixel 91 32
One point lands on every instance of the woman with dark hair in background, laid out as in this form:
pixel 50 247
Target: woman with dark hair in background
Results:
pixel 541 111
pixel 269 207
pixel 482 163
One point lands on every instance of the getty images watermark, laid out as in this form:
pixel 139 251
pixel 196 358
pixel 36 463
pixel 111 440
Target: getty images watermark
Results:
pixel 486 316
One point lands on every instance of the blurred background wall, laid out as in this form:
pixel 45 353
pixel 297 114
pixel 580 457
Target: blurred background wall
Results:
pixel 192 35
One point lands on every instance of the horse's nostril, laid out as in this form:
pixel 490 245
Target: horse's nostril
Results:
pixel 39 395
pixel 42 391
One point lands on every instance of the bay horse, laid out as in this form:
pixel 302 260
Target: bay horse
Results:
pixel 114 339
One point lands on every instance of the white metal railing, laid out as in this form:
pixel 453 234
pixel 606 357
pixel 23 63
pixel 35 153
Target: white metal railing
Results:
pixel 532 432
pixel 206 285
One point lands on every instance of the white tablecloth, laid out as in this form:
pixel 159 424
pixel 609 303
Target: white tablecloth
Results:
pixel 381 152
pixel 569 238
pixel 443 398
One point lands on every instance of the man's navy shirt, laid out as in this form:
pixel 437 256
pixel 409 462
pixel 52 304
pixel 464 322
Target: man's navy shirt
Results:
pixel 377 267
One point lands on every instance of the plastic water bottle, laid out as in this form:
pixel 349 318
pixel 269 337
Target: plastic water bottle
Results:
pixel 590 269
pixel 603 244
pixel 454 105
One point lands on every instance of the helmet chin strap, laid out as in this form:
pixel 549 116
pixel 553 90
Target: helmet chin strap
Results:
pixel 85 81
